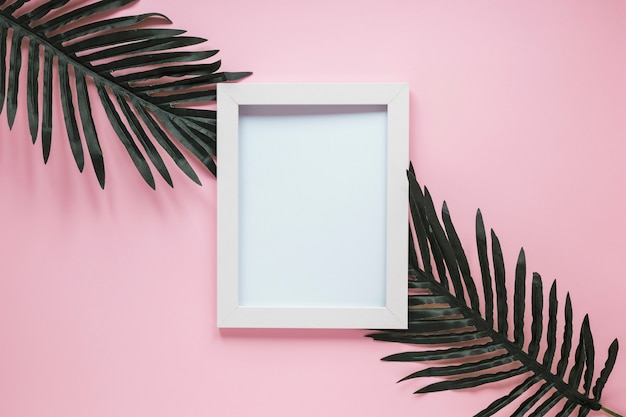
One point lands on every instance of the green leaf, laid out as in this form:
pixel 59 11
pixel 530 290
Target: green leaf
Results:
pixel 440 325
pixel 461 259
pixel 447 253
pixel 452 353
pixel 15 6
pixel 547 405
pixel 519 300
pixel 418 224
pixel 126 138
pixel 148 147
pixel 15 65
pixel 85 11
pixel 89 129
pixel 529 402
pixel 606 371
pixel 498 272
pixel 423 300
pixel 433 313
pixel 589 355
pixel 567 409
pixel 413 262
pixel 201 143
pixel 553 305
pixel 187 83
pixel 151 45
pixel 46 122
pixel 32 88
pixel 471 382
pixel 441 315
pixel 502 402
pixel 464 368
pixel 86 45
pixel 168 71
pixel 154 59
pixel 566 344
pixel 121 38
pixel 41 11
pixel 103 26
pixel 3 69
pixel 167 145
pixel 187 97
pixel 481 243
pixel 576 371
pixel 537 312
pixel 420 339
pixel 70 117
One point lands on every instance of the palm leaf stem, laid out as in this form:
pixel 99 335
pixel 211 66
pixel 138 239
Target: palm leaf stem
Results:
pixel 611 412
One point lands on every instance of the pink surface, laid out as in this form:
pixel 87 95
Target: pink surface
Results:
pixel 107 298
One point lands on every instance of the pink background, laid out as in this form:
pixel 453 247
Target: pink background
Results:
pixel 107 298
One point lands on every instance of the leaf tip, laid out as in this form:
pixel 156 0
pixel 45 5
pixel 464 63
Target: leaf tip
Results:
pixel 479 219
pixel 167 19
pixel 553 288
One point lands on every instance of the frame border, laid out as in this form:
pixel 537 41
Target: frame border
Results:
pixel 229 97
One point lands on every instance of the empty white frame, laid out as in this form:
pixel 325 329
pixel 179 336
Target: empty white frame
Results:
pixel 312 205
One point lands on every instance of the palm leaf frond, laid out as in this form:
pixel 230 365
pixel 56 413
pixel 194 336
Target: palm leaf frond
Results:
pixel 445 309
pixel 144 79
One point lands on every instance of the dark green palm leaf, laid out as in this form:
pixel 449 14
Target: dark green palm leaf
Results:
pixel 446 311
pixel 144 81
pixel 102 26
pixel 4 29
pixel 464 368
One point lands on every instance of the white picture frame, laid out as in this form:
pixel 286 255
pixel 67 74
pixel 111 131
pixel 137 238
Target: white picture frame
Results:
pixel 248 296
